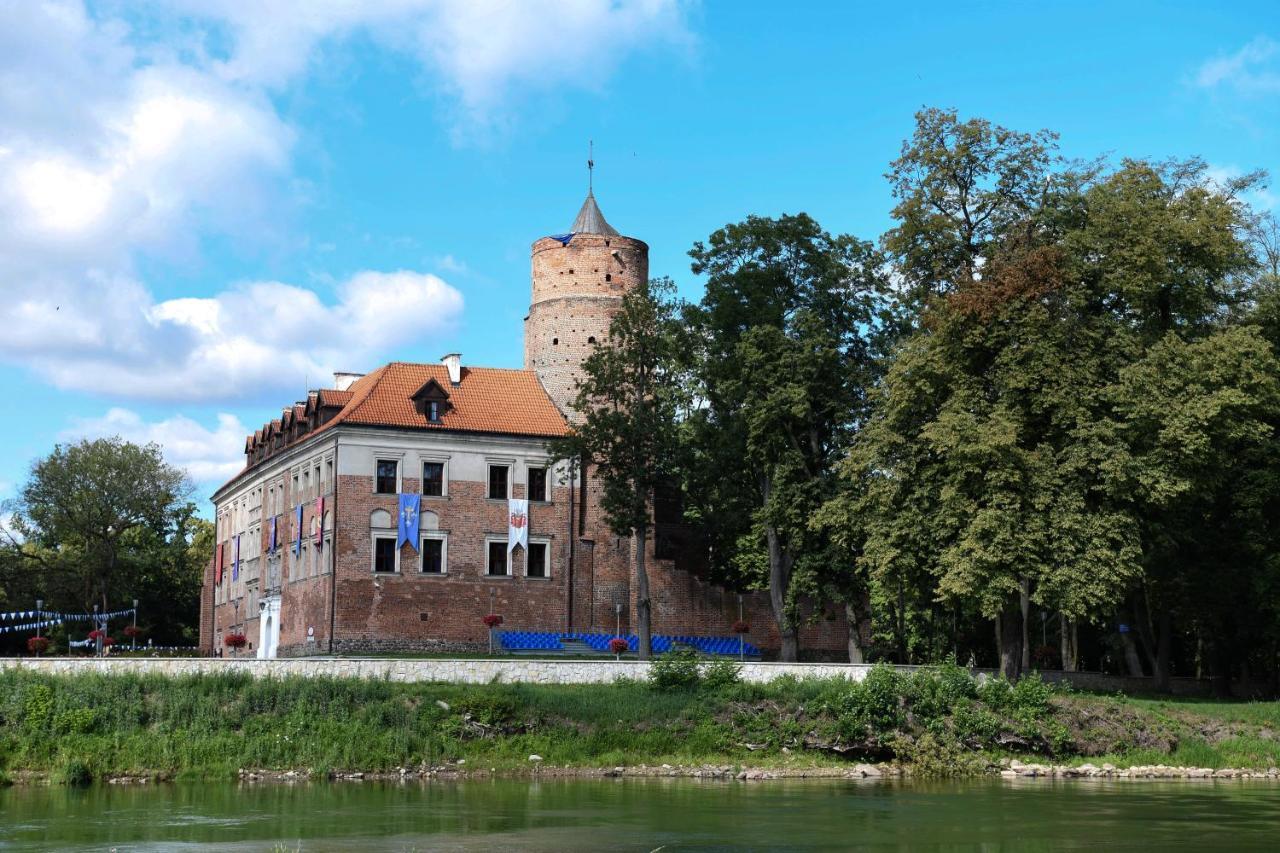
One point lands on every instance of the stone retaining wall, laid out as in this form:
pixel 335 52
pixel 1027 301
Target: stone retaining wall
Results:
pixel 532 671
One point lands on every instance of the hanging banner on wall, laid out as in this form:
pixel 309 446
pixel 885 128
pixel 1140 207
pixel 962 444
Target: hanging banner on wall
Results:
pixel 217 564
pixel 297 532
pixel 319 523
pixel 517 523
pixel 271 536
pixel 235 563
pixel 407 528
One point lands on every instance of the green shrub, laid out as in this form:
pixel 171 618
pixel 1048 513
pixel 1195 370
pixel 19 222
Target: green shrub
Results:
pixel 37 707
pixel 996 694
pixel 881 698
pixel 934 692
pixel 488 706
pixel 975 725
pixel 676 670
pixel 75 772
pixel 721 672
pixel 1029 698
pixel 76 721
pixel 937 757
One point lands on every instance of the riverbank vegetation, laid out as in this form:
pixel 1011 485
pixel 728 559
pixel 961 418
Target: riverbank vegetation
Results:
pixel 941 721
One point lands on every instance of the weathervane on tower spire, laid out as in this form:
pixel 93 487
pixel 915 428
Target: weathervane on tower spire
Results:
pixel 591 163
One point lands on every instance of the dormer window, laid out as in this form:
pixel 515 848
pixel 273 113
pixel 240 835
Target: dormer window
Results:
pixel 431 401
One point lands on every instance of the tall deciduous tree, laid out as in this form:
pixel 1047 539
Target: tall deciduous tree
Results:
pixel 628 402
pixel 785 346
pixel 86 505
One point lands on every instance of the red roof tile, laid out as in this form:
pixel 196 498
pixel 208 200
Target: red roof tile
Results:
pixel 487 399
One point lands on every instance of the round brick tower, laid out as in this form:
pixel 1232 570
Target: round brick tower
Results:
pixel 578 282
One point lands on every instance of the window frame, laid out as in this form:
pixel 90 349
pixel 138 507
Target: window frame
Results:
pixel 545 544
pixel 489 542
pixel 394 460
pixel 443 539
pixel 375 537
pixel 444 476
pixel 546 482
pixel 509 467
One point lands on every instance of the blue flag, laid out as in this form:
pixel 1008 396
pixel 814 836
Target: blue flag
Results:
pixel 563 238
pixel 235 564
pixel 297 533
pixel 408 529
pixel 271 540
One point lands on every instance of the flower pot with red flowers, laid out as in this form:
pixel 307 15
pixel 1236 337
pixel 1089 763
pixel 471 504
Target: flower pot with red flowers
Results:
pixel 133 632
pixel 491 621
pixel 741 628
pixel 618 645
pixel 37 645
pixel 235 641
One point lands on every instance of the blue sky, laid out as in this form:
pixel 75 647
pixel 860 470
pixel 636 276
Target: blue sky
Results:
pixel 206 206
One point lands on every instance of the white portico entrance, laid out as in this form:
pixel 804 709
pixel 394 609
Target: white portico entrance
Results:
pixel 269 626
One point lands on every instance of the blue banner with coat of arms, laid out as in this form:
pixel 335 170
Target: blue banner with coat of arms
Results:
pixel 407 531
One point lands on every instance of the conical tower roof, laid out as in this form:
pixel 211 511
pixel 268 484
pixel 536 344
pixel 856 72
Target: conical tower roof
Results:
pixel 591 221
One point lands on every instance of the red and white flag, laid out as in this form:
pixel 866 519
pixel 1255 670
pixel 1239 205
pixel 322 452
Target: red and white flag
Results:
pixel 517 523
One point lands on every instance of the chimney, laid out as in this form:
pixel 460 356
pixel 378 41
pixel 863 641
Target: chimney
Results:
pixel 343 381
pixel 453 363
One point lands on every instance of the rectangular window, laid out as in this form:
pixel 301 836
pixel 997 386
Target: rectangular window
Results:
pixel 384 554
pixel 385 477
pixel 537 484
pixel 497 564
pixel 433 479
pixel 538 567
pixel 498 476
pixel 433 556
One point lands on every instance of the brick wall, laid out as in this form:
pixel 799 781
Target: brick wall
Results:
pixel 576 291
pixel 382 612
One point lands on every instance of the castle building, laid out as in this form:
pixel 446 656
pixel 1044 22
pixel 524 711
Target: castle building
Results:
pixel 308 559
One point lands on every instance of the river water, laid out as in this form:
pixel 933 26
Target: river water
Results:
pixel 645 814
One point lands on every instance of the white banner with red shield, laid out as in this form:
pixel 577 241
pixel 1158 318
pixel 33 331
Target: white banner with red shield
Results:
pixel 517 523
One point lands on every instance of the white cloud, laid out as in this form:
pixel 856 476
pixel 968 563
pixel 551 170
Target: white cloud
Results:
pixel 254 339
pixel 482 51
pixel 208 455
pixel 1252 70
pixel 121 144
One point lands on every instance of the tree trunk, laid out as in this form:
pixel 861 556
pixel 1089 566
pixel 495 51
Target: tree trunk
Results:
pixel 1024 604
pixel 779 581
pixel 1164 650
pixel 1221 672
pixel 1068 642
pixel 1132 661
pixel 854 618
pixel 644 626
pixel 1009 640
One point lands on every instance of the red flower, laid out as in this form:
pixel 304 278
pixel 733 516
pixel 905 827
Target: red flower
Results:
pixel 97 634
pixel 132 631
pixel 493 620
pixel 618 645
pixel 741 627
pixel 235 641
pixel 37 645
pixel 108 641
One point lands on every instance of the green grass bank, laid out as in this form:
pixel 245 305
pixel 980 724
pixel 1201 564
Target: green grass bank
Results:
pixel 940 721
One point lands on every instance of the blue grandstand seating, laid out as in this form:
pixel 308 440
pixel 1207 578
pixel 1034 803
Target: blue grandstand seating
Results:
pixel 550 641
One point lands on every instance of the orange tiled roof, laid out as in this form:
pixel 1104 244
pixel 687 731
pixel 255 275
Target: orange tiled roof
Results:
pixel 488 399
